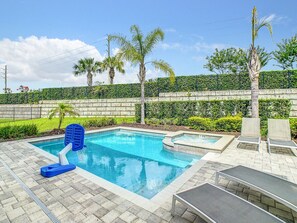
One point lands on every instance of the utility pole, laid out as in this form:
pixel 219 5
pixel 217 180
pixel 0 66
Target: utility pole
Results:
pixel 5 79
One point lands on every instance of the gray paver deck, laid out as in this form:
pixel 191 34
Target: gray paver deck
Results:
pixel 73 198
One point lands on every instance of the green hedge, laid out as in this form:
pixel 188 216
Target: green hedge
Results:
pixel 272 108
pixel 18 131
pixel 99 122
pixel 268 80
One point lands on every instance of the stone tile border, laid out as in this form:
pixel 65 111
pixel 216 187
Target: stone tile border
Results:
pixel 148 204
pixel 31 194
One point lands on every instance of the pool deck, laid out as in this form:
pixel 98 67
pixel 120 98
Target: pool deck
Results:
pixel 25 196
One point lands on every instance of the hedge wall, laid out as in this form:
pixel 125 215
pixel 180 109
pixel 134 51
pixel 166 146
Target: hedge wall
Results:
pixel 268 80
pixel 271 108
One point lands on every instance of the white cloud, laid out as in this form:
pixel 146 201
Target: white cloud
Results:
pixel 44 62
pixel 170 30
pixel 43 59
pixel 199 46
pixel 275 19
pixel 170 46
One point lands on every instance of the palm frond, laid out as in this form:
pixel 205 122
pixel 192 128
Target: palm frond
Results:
pixel 164 67
pixel 264 23
pixel 152 39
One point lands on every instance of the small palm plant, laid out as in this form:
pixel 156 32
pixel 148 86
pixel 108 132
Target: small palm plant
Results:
pixel 112 63
pixel 137 51
pixel 61 111
pixel 89 66
pixel 254 64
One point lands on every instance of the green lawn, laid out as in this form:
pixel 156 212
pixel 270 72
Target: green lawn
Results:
pixel 4 120
pixel 44 124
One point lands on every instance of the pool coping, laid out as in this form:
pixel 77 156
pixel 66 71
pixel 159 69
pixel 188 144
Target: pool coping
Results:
pixel 149 204
pixel 197 148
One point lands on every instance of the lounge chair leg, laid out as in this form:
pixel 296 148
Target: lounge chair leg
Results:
pixel 173 206
pixel 217 178
pixel 259 147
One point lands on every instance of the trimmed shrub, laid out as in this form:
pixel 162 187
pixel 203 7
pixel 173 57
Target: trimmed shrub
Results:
pixel 200 123
pixel 268 80
pixel 269 108
pixel 18 131
pixel 99 122
pixel 228 124
pixel 293 125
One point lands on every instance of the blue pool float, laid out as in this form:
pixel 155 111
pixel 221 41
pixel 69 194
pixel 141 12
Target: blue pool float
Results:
pixel 74 140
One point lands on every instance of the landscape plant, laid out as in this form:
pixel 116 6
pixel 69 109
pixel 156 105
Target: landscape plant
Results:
pixel 61 111
pixel 112 63
pixel 87 66
pixel 137 51
pixel 254 63
pixel 286 56
pixel 214 109
pixel 19 131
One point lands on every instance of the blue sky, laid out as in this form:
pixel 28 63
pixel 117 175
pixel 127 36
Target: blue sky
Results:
pixel 41 40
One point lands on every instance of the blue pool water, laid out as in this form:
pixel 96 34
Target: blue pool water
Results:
pixel 132 160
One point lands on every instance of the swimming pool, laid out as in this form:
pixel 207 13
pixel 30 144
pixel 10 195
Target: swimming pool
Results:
pixel 133 160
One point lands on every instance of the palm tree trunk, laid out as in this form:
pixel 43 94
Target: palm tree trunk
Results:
pixel 60 122
pixel 90 79
pixel 142 81
pixel 254 67
pixel 111 75
pixel 255 97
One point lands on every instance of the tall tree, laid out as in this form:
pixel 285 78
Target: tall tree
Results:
pixel 286 53
pixel 227 61
pixel 112 63
pixel 233 60
pixel 254 63
pixel 62 110
pixel 87 66
pixel 137 50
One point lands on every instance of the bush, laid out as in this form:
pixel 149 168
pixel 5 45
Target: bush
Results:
pixel 99 122
pixel 18 131
pixel 268 80
pixel 293 125
pixel 166 121
pixel 153 121
pixel 228 124
pixel 199 123
pixel 214 109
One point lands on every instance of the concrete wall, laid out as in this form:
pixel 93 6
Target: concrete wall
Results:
pixel 20 111
pixel 126 106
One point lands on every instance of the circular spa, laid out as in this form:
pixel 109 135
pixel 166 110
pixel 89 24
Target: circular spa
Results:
pixel 196 143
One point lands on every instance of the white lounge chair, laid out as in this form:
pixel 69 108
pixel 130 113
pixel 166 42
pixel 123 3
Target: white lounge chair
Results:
pixel 216 205
pixel 277 188
pixel 279 134
pixel 250 131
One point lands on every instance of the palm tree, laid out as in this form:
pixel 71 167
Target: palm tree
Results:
pixel 62 110
pixel 112 63
pixel 137 50
pixel 89 66
pixel 254 64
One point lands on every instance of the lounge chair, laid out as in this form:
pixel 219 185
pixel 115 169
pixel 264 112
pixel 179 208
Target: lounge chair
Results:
pixel 250 131
pixel 214 204
pixel 277 188
pixel 279 134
